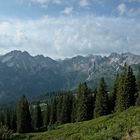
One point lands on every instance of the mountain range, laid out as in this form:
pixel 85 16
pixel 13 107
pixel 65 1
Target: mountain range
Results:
pixel 21 73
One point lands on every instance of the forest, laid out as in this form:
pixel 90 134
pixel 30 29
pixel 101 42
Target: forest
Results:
pixel 68 107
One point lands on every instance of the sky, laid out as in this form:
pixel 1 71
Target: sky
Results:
pixel 66 28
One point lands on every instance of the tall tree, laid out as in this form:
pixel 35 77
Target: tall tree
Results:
pixel 53 111
pixel 38 119
pixel 101 103
pixel 112 95
pixel 83 98
pixel 23 116
pixel 47 115
pixel 126 90
pixel 59 110
pixel 138 89
pixel 67 108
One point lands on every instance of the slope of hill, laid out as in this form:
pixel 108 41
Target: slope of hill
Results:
pixel 123 126
pixel 21 73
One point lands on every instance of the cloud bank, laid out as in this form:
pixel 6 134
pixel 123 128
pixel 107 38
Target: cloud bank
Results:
pixel 60 37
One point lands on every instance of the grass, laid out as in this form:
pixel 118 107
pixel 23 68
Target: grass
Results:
pixel 118 126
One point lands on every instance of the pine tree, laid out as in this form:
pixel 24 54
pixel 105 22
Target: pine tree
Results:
pixel 126 90
pixel 101 103
pixel 138 89
pixel 23 116
pixel 38 119
pixel 130 87
pixel 47 116
pixel 74 110
pixel 82 106
pixel 53 111
pixel 67 108
pixel 121 98
pixel 59 110
pixel 112 95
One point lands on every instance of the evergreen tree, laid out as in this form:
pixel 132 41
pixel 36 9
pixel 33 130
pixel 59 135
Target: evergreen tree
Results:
pixel 13 122
pixel 7 118
pixel 23 116
pixel 53 111
pixel 101 103
pixel 47 116
pixel 59 110
pixel 112 95
pixel 130 87
pixel 126 90
pixel 38 119
pixel 121 99
pixel 82 106
pixel 74 110
pixel 138 89
pixel 67 108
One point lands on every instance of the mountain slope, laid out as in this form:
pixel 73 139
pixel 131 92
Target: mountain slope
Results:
pixel 21 73
pixel 123 126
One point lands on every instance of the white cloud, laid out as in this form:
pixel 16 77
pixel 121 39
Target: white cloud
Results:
pixel 84 3
pixel 67 36
pixel 122 8
pixel 67 10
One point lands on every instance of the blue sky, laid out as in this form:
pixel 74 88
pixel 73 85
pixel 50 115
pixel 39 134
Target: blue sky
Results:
pixel 65 28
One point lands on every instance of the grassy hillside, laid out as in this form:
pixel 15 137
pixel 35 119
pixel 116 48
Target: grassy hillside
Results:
pixel 122 126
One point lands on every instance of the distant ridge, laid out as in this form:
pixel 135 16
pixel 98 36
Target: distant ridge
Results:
pixel 21 73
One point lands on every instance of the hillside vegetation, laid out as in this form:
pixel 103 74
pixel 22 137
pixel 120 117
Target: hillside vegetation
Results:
pixel 118 126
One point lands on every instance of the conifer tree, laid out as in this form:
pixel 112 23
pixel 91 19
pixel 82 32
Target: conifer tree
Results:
pixel 47 116
pixel 74 110
pixel 23 116
pixel 138 89
pixel 59 110
pixel 67 108
pixel 38 119
pixel 112 95
pixel 121 100
pixel 82 106
pixel 53 111
pixel 101 103
pixel 126 90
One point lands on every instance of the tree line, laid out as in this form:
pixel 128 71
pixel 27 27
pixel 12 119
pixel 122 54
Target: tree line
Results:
pixel 84 105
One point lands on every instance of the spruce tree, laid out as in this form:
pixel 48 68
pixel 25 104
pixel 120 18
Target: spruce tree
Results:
pixel 67 108
pixel 53 112
pixel 38 119
pixel 138 89
pixel 47 116
pixel 23 116
pixel 112 95
pixel 121 100
pixel 59 110
pixel 126 90
pixel 101 103
pixel 83 98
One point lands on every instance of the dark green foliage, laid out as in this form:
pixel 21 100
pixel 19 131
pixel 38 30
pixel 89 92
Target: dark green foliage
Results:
pixel 138 89
pixel 47 116
pixel 67 108
pixel 83 100
pixel 74 110
pixel 53 112
pixel 101 103
pixel 7 118
pixel 13 121
pixel 59 110
pixel 38 119
pixel 23 116
pixel 126 90
pixel 112 95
